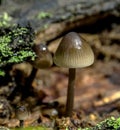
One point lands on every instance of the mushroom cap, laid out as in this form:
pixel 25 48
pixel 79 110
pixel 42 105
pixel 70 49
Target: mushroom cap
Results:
pixel 44 57
pixel 73 52
pixel 22 113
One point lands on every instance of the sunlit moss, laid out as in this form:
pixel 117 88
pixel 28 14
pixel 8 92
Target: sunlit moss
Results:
pixel 2 73
pixel 43 15
pixel 108 124
pixel 16 45
pixel 5 20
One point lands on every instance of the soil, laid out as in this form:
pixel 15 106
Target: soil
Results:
pixel 97 95
pixel 97 88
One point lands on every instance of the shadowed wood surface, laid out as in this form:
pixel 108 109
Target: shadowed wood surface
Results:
pixel 97 88
pixel 52 18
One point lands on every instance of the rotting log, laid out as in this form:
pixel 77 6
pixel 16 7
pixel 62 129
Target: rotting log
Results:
pixel 58 16
pixel 77 15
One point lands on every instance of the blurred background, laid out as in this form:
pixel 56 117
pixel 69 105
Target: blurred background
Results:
pixel 97 88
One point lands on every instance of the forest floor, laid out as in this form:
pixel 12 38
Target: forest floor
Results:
pixel 97 88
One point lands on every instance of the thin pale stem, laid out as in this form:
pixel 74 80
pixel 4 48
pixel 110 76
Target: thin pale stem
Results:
pixel 70 92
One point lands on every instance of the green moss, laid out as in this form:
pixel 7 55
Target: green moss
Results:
pixel 108 124
pixel 43 15
pixel 5 20
pixel 2 73
pixel 16 45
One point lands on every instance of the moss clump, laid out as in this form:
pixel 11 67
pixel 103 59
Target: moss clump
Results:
pixel 5 20
pixel 108 124
pixel 16 45
pixel 43 15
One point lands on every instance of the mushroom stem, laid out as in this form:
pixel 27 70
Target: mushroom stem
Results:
pixel 27 89
pixel 21 123
pixel 31 77
pixel 70 92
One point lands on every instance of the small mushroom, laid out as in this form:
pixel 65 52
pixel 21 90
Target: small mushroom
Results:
pixel 73 52
pixel 22 113
pixel 43 60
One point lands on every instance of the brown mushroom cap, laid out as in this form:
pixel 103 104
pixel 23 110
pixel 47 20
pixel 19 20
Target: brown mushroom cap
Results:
pixel 22 113
pixel 73 52
pixel 44 57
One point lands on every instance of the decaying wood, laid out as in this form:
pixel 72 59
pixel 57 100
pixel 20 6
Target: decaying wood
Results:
pixel 80 14
pixel 63 16
pixel 57 29
pixel 113 96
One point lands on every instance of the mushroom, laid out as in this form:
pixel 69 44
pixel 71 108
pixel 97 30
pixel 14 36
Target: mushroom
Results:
pixel 73 52
pixel 22 113
pixel 43 60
